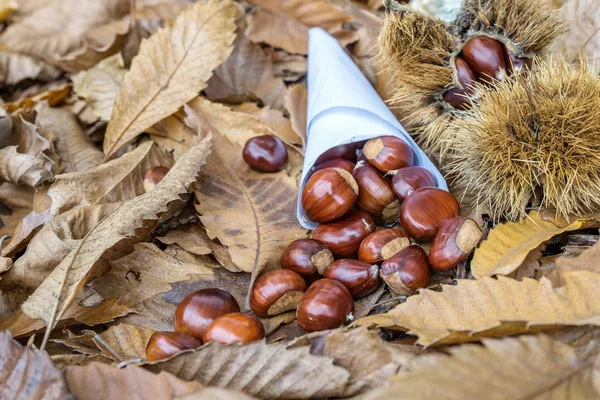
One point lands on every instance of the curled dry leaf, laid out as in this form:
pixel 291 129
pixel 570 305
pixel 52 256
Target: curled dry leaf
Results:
pixel 588 260
pixel 15 67
pixel 16 202
pixel 98 381
pixel 26 375
pixel 112 237
pixel 296 101
pixel 507 245
pixel 51 94
pixel 172 66
pixel 528 367
pixel 257 368
pixel 128 341
pixel 487 307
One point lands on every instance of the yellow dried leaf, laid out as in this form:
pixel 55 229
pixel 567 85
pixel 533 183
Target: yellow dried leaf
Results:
pixel 172 66
pixel 296 102
pixel 508 244
pixel 474 309
pixel 129 341
pixel 588 260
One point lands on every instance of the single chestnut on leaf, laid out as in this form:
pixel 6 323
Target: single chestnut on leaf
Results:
pixel 455 240
pixel 276 292
pixel 265 153
pixel 327 304
pixel 406 271
pixel 407 180
pixel 307 257
pixel 387 153
pixel 375 194
pixel 359 277
pixel 165 344
pixel 343 237
pixel 199 309
pixel 425 210
pixel 235 327
pixel 153 176
pixel 382 244
pixel 329 194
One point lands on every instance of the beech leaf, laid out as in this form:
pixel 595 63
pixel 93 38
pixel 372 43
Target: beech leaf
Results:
pixel 487 307
pixel 129 341
pixel 588 260
pixel 296 102
pixel 172 66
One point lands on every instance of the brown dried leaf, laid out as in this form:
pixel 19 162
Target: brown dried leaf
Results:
pixel 535 366
pixel 112 237
pixel 296 101
pixel 129 341
pixel 588 260
pixel 26 375
pixel 7 7
pixel 16 202
pixel 488 307
pixel 15 67
pixel 98 381
pixel 275 120
pixel 217 394
pixel 51 94
pixel 257 368
pixel 172 66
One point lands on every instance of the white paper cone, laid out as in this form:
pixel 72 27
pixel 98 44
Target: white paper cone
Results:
pixel 343 107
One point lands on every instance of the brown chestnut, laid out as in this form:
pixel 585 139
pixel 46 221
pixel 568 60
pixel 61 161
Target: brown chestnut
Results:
pixel 329 194
pixel 514 63
pixel 153 176
pixel 485 57
pixel 359 277
pixel 375 194
pixel 307 257
pixel 381 245
pixel 165 344
pixel 407 180
pixel 455 240
pixel 235 327
pixel 406 271
pixel 387 153
pixel 265 153
pixel 336 163
pixel 466 78
pixel 346 151
pixel 327 304
pixel 276 292
pixel 343 237
pixel 199 309
pixel 425 210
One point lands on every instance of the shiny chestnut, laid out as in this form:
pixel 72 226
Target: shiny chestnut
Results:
pixel 425 210
pixel 455 240
pixel 407 180
pixel 514 63
pixel 336 163
pixel 307 257
pixel 276 292
pixel 153 176
pixel 265 153
pixel 235 327
pixel 485 57
pixel 406 271
pixel 359 277
pixel 382 244
pixel 457 96
pixel 165 344
pixel 327 304
pixel 199 309
pixel 343 237
pixel 387 153
pixel 329 194
pixel 375 195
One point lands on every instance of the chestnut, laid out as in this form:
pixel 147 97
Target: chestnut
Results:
pixel 235 327
pixel 336 163
pixel 425 210
pixel 346 151
pixel 329 194
pixel 382 244
pixel 265 153
pixel 406 271
pixel 485 57
pixel 276 292
pixel 375 194
pixel 199 309
pixel 343 237
pixel 153 176
pixel 163 345
pixel 307 257
pixel 327 304
pixel 387 153
pixel 359 277
pixel 455 240
pixel 457 95
pixel 407 180
pixel 514 63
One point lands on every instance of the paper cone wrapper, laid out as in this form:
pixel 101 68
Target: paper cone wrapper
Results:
pixel 344 108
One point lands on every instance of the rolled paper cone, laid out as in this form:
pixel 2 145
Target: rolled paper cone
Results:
pixel 344 108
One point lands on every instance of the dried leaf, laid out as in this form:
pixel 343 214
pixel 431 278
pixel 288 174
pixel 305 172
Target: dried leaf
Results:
pixel 257 368
pixel 16 202
pixel 15 67
pixel 296 102
pixel 7 7
pixel 275 120
pixel 26 375
pixel 217 394
pixel 98 381
pixel 529 367
pixel 508 244
pixel 172 66
pixel 111 238
pixel 52 94
pixel 588 260
pixel 129 341
pixel 488 307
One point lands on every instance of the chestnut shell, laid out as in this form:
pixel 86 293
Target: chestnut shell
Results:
pixel 343 237
pixel 265 153
pixel 235 327
pixel 326 305
pixel 276 287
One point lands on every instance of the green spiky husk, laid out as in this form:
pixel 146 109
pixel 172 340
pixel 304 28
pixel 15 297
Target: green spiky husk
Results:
pixel 538 131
